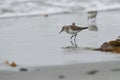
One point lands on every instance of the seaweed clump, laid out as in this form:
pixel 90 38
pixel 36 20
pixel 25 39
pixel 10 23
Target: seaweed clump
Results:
pixel 111 46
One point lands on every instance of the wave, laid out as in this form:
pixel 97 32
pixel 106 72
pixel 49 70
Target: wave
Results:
pixel 41 7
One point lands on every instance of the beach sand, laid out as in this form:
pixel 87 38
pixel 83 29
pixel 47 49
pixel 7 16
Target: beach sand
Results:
pixel 85 71
pixel 34 42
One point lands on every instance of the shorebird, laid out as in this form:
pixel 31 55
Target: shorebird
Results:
pixel 72 29
pixel 92 15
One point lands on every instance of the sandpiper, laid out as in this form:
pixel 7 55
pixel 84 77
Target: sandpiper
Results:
pixel 72 29
pixel 92 15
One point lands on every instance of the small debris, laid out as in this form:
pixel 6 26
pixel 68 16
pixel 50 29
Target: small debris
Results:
pixel 61 76
pixel 45 15
pixel 23 69
pixel 93 72
pixel 115 70
pixel 13 64
pixel 6 62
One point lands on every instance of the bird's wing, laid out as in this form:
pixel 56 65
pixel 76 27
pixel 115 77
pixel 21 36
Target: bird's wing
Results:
pixel 75 27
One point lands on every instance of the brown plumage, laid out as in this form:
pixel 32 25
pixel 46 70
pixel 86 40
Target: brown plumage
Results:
pixel 72 29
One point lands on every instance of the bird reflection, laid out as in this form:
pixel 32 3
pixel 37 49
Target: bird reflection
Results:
pixel 92 28
pixel 74 44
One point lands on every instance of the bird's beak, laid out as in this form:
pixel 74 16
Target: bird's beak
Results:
pixel 61 31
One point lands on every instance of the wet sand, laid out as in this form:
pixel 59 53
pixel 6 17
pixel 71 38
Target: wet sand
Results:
pixel 109 70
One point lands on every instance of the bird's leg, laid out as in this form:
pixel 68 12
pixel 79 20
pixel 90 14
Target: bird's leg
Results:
pixel 94 21
pixel 88 21
pixel 71 40
pixel 71 37
pixel 75 39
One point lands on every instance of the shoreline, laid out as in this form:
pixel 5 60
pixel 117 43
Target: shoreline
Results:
pixel 53 14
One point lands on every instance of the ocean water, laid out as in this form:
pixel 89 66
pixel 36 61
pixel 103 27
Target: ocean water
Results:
pixel 40 7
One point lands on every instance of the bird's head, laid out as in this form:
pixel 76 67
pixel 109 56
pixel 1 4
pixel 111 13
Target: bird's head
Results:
pixel 64 28
pixel 73 23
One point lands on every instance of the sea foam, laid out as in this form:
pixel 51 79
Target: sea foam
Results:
pixel 40 7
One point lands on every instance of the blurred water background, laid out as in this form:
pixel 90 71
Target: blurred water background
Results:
pixel 40 7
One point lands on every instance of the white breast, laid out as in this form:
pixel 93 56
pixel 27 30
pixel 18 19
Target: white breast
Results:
pixel 73 32
pixel 91 15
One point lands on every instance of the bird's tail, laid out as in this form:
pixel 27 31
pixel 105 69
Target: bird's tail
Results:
pixel 84 28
